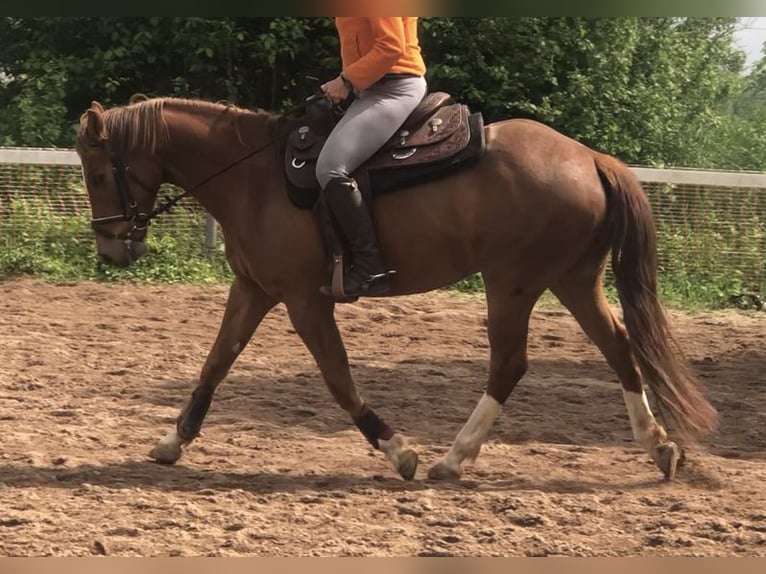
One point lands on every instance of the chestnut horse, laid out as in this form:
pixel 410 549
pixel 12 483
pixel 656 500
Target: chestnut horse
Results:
pixel 538 211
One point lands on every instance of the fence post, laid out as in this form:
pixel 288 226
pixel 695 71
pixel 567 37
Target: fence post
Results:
pixel 210 235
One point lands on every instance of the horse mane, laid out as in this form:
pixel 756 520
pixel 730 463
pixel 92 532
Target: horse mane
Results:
pixel 141 125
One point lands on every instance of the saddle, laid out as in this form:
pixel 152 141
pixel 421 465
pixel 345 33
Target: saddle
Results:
pixel 438 137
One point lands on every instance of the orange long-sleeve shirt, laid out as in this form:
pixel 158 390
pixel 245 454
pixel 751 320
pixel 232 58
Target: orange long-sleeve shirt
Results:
pixel 373 47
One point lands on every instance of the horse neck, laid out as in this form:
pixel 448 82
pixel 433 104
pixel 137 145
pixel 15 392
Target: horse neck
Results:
pixel 215 143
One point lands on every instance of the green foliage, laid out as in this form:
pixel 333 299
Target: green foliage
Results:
pixel 36 240
pixel 56 66
pixel 737 139
pixel 711 242
pixel 644 89
pixel 695 268
pixel 472 284
pixel 653 91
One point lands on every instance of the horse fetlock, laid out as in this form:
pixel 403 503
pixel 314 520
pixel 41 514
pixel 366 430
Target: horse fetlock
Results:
pixel 402 457
pixel 651 437
pixel 445 469
pixel 450 467
pixel 468 450
pixel 659 434
pixel 187 433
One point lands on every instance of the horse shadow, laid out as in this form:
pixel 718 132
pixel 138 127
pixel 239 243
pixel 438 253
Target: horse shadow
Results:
pixel 559 402
pixel 131 474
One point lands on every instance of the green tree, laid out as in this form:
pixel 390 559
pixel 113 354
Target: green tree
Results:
pixel 661 91
pixel 55 65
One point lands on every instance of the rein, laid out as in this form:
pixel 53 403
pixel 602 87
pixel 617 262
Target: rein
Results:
pixel 170 202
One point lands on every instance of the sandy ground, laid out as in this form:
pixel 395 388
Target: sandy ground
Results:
pixel 93 375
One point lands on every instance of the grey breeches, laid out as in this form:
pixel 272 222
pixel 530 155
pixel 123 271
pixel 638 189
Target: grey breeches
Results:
pixel 368 123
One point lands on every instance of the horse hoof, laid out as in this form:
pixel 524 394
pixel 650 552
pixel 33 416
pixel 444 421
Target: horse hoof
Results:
pixel 408 464
pixel 166 453
pixel 667 456
pixel 442 471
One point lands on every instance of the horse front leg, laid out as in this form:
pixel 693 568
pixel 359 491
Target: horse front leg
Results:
pixel 314 322
pixel 246 306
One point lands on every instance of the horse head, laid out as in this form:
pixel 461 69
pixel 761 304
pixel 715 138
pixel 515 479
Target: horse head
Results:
pixel 122 181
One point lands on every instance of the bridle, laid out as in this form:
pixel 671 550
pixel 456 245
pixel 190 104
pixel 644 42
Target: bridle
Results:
pixel 140 220
pixel 130 211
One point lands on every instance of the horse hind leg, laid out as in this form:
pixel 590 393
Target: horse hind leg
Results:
pixel 583 294
pixel 246 306
pixel 507 329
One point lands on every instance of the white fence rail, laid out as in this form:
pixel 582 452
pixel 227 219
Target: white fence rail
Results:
pixel 705 178
pixel 39 156
pixel 735 179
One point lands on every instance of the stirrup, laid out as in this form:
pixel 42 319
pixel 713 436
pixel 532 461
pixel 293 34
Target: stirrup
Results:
pixel 373 286
pixel 335 288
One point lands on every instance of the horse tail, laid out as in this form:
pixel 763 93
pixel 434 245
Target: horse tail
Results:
pixel 678 393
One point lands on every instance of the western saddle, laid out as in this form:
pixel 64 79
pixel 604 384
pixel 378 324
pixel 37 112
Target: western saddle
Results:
pixel 438 136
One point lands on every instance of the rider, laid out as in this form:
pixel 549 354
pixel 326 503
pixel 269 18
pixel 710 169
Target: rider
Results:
pixel 383 67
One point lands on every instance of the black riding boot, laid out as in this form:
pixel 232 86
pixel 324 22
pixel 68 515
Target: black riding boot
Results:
pixel 366 274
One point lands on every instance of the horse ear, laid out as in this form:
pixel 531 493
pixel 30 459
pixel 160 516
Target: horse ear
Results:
pixel 136 98
pixel 94 123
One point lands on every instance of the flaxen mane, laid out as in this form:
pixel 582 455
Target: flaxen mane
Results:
pixel 141 125
pixel 138 126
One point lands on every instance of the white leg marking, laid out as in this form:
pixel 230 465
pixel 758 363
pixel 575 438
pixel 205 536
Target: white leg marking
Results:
pixel 649 434
pixel 391 447
pixel 398 452
pixel 236 348
pixel 473 434
pixel 646 431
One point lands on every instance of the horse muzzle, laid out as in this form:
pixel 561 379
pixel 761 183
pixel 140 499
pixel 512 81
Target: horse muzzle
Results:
pixel 121 253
